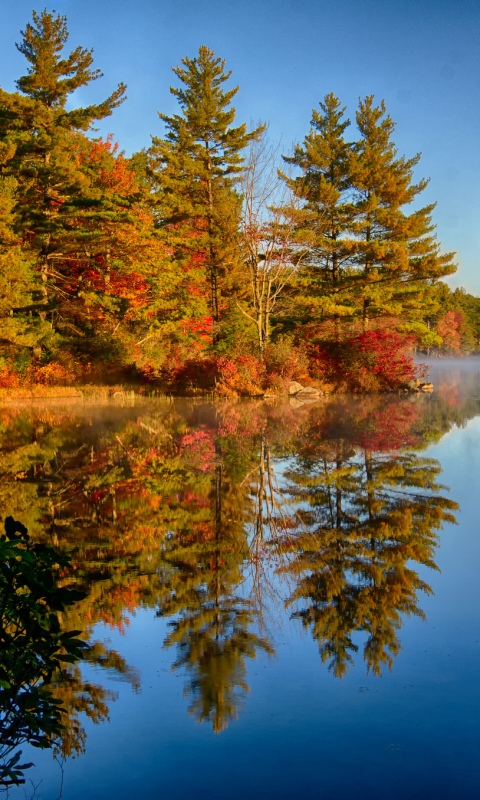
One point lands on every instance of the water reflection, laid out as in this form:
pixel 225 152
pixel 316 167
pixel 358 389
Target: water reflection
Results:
pixel 372 517
pixel 214 515
pixel 212 629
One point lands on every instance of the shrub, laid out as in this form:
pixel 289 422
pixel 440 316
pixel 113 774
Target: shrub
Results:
pixel 52 374
pixel 285 361
pixel 9 377
pixel 32 646
pixel 372 361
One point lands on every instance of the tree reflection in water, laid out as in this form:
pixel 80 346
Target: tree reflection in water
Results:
pixel 215 514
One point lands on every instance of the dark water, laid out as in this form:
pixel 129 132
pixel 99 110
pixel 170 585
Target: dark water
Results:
pixel 281 601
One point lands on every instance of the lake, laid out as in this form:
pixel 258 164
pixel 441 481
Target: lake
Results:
pixel 282 600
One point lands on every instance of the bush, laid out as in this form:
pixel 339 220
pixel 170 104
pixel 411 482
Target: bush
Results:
pixel 52 374
pixel 9 377
pixel 284 362
pixel 376 360
pixel 32 646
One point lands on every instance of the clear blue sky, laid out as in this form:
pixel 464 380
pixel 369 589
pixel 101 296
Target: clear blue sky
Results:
pixel 421 56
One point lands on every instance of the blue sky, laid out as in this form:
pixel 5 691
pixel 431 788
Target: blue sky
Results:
pixel 421 56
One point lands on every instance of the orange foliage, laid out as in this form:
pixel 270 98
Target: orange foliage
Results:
pixel 449 328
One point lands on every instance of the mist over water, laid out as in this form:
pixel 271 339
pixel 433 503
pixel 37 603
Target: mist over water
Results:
pixel 290 588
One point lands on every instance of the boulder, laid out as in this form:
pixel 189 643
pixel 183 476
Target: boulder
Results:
pixel 294 388
pixel 426 387
pixel 307 397
pixel 309 391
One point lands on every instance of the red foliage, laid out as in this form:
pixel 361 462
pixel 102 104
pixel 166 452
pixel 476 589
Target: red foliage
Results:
pixel 112 170
pixel 374 360
pixel 242 374
pixel 9 378
pixel 198 445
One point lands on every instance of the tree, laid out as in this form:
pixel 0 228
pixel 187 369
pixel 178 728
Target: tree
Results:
pixel 325 187
pixel 370 259
pixel 20 332
pixel 467 325
pixel 273 242
pixel 396 251
pixel 38 137
pixel 193 174
pixel 449 328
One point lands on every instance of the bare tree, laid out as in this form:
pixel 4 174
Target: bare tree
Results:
pixel 273 238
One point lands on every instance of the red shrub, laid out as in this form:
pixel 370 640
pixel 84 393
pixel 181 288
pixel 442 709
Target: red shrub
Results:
pixel 372 361
pixel 9 378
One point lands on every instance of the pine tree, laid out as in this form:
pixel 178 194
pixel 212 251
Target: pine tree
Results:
pixel 396 251
pixel 20 332
pixel 326 189
pixel 193 172
pixel 370 257
pixel 39 137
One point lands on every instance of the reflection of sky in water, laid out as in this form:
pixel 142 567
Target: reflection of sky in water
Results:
pixel 414 730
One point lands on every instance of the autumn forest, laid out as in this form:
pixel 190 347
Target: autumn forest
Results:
pixel 212 259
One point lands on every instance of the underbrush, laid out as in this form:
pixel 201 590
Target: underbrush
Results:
pixel 240 373
pixel 374 361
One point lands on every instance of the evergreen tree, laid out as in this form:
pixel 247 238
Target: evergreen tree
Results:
pixel 396 251
pixel 20 332
pixel 39 141
pixel 370 258
pixel 325 186
pixel 193 171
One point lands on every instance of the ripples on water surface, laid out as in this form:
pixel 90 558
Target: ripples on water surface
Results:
pixel 292 578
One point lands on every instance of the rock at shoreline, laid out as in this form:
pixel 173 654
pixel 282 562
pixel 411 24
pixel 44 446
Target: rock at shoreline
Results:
pixel 294 388
pixel 302 394
pixel 308 392
pixel 416 386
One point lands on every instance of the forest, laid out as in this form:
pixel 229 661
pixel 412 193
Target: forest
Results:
pixel 211 260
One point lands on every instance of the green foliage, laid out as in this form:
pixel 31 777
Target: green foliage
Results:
pixel 370 258
pixel 192 172
pixel 463 310
pixel 32 644
pixel 116 268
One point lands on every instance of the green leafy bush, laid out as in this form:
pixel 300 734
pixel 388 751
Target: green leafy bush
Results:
pixel 33 647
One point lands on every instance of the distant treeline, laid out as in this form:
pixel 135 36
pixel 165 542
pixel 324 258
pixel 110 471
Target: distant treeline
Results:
pixel 210 258
pixel 456 321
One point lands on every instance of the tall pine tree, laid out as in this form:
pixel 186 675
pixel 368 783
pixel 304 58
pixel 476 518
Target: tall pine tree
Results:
pixel 396 251
pixel 193 172
pixel 371 259
pixel 325 187
pixel 39 137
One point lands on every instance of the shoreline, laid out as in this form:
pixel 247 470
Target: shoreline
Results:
pixel 119 392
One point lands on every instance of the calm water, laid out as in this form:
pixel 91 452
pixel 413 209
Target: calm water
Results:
pixel 282 601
